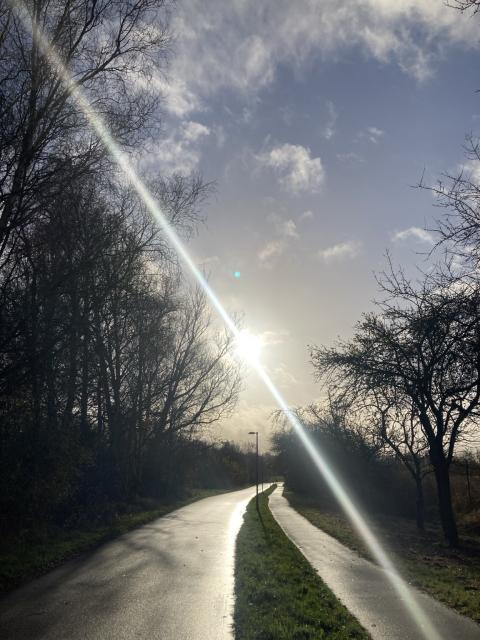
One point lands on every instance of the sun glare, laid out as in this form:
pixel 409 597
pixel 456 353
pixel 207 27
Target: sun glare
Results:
pixel 248 347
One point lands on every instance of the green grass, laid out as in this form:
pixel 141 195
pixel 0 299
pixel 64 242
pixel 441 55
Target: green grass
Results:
pixel 451 576
pixel 37 553
pixel 278 594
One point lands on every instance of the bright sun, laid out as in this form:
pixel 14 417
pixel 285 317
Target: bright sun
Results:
pixel 248 347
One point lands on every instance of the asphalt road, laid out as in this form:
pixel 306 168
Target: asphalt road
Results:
pixel 364 588
pixel 171 580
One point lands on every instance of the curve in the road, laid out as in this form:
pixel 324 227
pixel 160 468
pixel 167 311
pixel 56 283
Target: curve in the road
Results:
pixel 171 580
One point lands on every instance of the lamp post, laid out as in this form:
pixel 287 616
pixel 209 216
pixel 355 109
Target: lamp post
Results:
pixel 255 433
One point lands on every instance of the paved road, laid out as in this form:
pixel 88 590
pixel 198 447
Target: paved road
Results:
pixel 363 587
pixel 169 580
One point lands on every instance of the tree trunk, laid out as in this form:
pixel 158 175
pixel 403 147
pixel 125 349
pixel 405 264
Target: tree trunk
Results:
pixel 420 505
pixel 447 515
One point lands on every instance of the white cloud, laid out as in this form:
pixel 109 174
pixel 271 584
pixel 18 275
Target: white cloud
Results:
pixel 282 376
pixel 470 170
pixel 288 229
pixel 285 232
pixel 192 131
pixel 417 233
pixel 180 152
pixel 373 134
pixel 240 44
pixel 273 338
pixel 271 250
pixel 329 129
pixel 350 157
pixel 297 171
pixel 340 252
pixel 306 215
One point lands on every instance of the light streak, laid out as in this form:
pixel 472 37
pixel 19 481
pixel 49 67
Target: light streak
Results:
pixel 412 607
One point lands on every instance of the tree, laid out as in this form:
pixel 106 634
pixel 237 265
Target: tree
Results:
pixel 394 422
pixel 45 143
pixel 424 344
pixel 200 384
pixel 108 364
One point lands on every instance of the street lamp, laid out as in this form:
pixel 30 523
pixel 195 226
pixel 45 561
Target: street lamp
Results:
pixel 255 433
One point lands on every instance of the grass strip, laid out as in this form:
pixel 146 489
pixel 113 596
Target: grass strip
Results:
pixel 279 596
pixel 423 559
pixel 27 558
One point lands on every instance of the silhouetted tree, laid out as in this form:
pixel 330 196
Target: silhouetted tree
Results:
pixel 424 345
pixel 393 421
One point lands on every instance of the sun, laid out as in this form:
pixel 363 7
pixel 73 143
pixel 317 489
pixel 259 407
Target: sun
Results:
pixel 248 347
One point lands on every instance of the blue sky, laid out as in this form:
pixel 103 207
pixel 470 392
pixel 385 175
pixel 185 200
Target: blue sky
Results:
pixel 315 118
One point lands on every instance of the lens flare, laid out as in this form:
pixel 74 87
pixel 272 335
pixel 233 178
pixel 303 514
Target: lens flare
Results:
pixel 412 607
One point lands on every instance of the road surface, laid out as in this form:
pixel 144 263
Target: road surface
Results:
pixel 171 579
pixel 363 587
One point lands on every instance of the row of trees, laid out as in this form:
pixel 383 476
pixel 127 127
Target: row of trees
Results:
pixel 109 364
pixel 377 482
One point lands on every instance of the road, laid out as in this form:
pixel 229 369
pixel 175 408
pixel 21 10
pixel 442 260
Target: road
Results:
pixel 363 587
pixel 171 580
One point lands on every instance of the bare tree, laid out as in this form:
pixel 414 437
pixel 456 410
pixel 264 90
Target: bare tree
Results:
pixel 109 47
pixel 200 383
pixel 465 5
pixel 424 345
pixel 394 422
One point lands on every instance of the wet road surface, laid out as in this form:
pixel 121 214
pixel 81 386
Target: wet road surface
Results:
pixel 171 579
pixel 363 586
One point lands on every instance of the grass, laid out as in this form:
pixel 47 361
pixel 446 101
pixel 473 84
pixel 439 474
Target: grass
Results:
pixel 278 594
pixel 451 576
pixel 25 558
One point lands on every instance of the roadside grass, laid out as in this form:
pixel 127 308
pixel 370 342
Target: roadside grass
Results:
pixel 279 596
pixel 423 559
pixel 34 554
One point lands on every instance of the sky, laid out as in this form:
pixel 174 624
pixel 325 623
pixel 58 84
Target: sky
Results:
pixel 315 119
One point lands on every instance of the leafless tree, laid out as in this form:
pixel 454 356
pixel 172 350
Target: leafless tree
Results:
pixel 393 421
pixel 109 48
pixel 424 345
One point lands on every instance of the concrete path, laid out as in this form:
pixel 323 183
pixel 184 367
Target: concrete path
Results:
pixel 169 580
pixel 363 587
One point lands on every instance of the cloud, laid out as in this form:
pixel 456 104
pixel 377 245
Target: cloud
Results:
pixel 248 417
pixel 332 116
pixel 192 131
pixel 273 338
pixel 271 250
pixel 296 170
pixel 350 157
pixel 306 215
pixel 373 134
pixel 285 232
pixel 288 229
pixel 417 233
pixel 180 152
pixel 241 44
pixel 470 170
pixel 282 376
pixel 340 252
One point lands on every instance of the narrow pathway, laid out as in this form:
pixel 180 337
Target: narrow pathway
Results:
pixel 363 587
pixel 171 579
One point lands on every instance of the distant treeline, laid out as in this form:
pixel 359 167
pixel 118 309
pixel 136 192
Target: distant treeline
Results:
pixel 377 481
pixel 109 365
